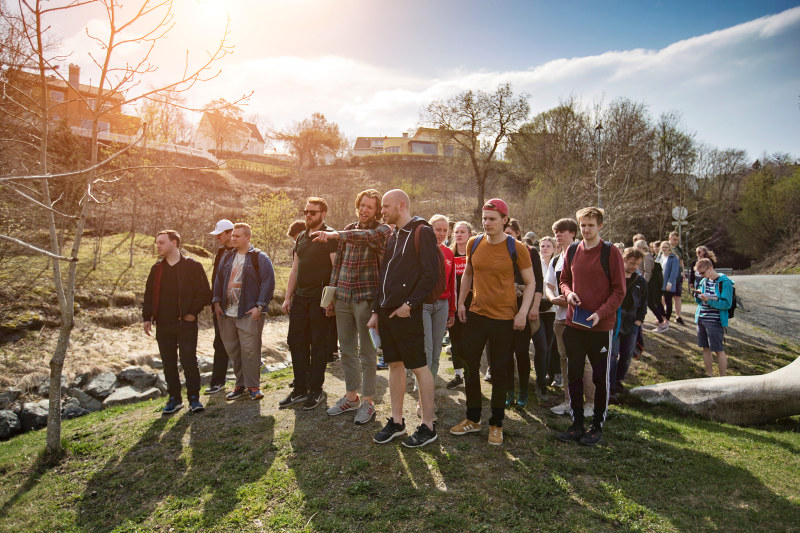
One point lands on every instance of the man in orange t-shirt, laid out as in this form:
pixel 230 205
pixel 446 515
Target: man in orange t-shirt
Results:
pixel 493 315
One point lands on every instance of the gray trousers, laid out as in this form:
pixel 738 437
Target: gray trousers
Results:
pixel 358 355
pixel 242 339
pixel 434 321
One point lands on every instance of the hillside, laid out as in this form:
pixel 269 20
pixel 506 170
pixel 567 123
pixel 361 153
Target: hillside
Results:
pixel 784 259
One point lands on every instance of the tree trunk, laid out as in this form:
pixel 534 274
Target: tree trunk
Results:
pixel 56 371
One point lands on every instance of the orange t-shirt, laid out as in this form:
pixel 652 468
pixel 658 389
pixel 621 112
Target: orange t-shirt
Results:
pixel 494 292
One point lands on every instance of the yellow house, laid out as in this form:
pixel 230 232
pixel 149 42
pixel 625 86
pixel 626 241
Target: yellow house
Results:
pixel 426 141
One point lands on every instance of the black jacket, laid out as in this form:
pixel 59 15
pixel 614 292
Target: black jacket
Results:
pixel 193 290
pixel 408 275
pixel 634 306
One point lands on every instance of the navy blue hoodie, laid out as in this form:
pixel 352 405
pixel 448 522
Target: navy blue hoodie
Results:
pixel 408 275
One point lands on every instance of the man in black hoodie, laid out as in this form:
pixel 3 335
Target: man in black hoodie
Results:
pixel 176 291
pixel 222 232
pixel 409 271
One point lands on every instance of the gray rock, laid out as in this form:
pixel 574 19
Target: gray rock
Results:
pixel 126 395
pixel 740 400
pixel 80 381
pixel 73 411
pixel 10 424
pixel 86 401
pixel 44 388
pixel 161 384
pixel 205 378
pixel 93 405
pixel 33 415
pixel 205 364
pixel 138 377
pixel 102 385
pixel 71 402
pixel 8 397
pixel 156 363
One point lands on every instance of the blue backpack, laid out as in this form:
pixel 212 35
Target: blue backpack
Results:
pixel 512 251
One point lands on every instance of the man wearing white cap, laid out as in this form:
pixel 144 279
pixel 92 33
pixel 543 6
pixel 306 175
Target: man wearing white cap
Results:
pixel 223 234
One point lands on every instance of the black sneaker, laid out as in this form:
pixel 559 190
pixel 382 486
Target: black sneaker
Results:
pixel 294 397
pixel 592 436
pixel 390 431
pixel 421 437
pixel 194 404
pixel 237 392
pixel 574 433
pixel 174 404
pixel 215 389
pixel 455 383
pixel 680 321
pixel 314 398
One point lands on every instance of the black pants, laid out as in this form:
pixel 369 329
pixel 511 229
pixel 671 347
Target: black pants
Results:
pixel 309 342
pixel 554 364
pixel 499 334
pixel 175 339
pixel 457 343
pixel 520 352
pixel 579 344
pixel 220 370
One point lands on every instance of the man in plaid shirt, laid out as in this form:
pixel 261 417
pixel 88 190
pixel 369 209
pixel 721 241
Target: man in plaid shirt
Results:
pixel 355 276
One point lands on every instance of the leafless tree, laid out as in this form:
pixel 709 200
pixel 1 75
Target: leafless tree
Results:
pixel 479 123
pixel 141 29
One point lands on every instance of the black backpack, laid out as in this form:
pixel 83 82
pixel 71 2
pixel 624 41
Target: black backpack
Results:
pixel 441 282
pixel 734 301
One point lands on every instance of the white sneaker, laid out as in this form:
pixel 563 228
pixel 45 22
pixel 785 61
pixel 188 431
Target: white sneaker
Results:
pixel 588 411
pixel 561 409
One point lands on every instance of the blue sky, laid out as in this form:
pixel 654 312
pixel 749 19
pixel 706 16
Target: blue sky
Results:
pixel 731 68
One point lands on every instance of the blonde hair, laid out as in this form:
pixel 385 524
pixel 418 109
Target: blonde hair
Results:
pixel 436 218
pixel 457 224
pixel 642 245
pixel 711 255
pixel 247 230
pixel 596 213
pixel 370 193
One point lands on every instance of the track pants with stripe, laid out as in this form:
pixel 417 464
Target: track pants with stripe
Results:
pixel 580 343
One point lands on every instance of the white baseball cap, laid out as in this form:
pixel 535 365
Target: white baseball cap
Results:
pixel 222 225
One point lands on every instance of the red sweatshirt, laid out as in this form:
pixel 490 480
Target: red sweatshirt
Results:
pixel 449 293
pixel 587 278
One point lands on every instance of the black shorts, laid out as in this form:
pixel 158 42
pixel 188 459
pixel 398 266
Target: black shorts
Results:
pixel 402 339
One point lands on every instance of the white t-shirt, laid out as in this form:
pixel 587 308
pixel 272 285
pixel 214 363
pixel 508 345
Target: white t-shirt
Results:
pixel 550 278
pixel 545 268
pixel 234 287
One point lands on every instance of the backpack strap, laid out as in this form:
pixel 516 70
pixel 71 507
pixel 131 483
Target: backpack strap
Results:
pixel 475 244
pixel 512 251
pixel 254 260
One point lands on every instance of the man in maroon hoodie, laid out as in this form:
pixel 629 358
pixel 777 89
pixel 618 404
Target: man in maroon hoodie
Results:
pixel 593 282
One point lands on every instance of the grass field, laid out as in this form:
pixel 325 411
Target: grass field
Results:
pixel 248 465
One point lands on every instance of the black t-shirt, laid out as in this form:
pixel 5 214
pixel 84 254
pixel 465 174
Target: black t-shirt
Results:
pixel 168 309
pixel 313 263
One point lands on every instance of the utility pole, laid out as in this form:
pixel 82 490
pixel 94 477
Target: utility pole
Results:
pixel 599 157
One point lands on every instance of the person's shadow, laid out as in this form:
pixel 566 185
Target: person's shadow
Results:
pixel 182 461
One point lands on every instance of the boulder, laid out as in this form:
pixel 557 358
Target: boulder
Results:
pixel 740 400
pixel 205 378
pixel 8 397
pixel 138 377
pixel 73 411
pixel 102 385
pixel 10 424
pixel 161 384
pixel 156 363
pixel 85 400
pixel 33 415
pixel 126 395
pixel 205 364
pixel 81 380
pixel 44 388
pixel 71 402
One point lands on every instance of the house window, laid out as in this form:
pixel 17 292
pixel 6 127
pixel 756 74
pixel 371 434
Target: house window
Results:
pixel 392 150
pixel 449 150
pixel 377 143
pixel 56 96
pixel 424 148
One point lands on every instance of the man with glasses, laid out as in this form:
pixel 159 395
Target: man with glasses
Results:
pixel 309 324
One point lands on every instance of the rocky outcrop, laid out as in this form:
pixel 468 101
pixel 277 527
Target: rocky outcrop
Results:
pixel 737 400
pixel 10 424
pixel 126 395
pixel 102 385
pixel 33 415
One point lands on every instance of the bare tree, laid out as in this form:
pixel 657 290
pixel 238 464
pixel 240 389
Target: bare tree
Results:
pixel 479 123
pixel 142 28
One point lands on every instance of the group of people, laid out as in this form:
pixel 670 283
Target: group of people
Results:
pixel 397 283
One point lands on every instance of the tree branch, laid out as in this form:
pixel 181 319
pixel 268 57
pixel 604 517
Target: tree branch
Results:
pixel 38 250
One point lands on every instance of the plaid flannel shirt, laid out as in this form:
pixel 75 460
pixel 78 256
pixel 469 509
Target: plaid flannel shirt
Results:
pixel 358 260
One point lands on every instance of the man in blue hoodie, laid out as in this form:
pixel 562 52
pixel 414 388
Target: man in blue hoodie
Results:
pixel 714 296
pixel 409 271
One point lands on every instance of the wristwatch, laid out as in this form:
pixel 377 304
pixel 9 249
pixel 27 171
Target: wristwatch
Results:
pixel 261 308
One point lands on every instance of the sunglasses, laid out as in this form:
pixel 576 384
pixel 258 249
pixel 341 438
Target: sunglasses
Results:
pixel 310 212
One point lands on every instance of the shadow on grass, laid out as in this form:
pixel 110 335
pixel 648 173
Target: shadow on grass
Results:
pixel 197 462
pixel 44 463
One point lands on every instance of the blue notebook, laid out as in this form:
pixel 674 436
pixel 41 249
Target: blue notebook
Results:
pixel 581 316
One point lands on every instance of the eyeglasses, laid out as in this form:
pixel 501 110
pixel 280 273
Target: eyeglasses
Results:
pixel 309 212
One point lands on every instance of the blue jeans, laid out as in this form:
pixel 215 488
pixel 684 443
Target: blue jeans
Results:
pixel 621 355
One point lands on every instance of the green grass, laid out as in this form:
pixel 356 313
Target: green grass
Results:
pixel 264 168
pixel 249 465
